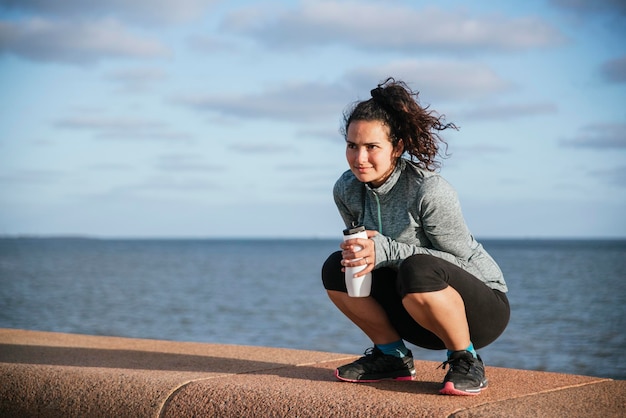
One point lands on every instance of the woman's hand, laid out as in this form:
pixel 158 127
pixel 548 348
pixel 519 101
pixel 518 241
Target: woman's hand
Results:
pixel 358 252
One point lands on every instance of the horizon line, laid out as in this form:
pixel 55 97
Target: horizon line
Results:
pixel 283 237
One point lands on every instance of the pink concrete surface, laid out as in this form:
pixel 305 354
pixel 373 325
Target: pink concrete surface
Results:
pixel 48 374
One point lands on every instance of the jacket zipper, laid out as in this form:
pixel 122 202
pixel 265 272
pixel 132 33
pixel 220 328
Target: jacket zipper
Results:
pixel 380 221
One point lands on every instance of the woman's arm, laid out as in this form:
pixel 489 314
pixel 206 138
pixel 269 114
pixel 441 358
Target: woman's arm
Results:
pixel 442 222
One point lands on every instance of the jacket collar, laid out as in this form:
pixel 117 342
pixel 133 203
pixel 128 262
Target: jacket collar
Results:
pixel 386 187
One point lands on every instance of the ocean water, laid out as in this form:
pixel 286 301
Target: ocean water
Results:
pixel 568 297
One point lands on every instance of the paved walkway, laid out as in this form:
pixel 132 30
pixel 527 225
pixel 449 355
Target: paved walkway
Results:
pixel 47 374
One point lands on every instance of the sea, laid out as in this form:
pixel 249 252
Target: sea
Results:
pixel 568 297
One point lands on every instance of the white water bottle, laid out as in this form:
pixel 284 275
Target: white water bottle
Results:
pixel 358 287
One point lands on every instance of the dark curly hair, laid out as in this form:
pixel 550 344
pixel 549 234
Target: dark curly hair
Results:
pixel 394 104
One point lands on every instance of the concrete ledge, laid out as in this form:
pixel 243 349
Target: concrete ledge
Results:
pixel 64 375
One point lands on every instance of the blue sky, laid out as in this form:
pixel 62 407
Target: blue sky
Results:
pixel 190 118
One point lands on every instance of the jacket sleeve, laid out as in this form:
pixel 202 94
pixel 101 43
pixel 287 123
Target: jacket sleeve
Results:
pixel 390 253
pixel 441 219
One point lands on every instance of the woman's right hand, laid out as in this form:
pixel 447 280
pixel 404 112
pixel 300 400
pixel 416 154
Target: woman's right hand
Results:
pixel 358 252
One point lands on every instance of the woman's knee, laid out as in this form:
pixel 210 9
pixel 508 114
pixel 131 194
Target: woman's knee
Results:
pixel 332 276
pixel 421 273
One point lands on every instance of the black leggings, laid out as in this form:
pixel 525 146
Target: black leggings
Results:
pixel 487 310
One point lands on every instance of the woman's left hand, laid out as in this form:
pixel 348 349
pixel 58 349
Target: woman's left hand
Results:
pixel 358 252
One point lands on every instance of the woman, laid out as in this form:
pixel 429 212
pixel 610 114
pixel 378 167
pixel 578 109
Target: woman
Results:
pixel 433 284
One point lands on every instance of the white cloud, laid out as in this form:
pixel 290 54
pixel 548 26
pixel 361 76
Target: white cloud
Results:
pixel 599 136
pixel 436 80
pixel 289 102
pixel 186 163
pixel 614 176
pixel 505 112
pixel 263 148
pixel 482 149
pixel 209 44
pixel 32 177
pixel 163 186
pixel 384 25
pixel 135 80
pixel 122 128
pixel 77 42
pixel 157 11
pixel 310 101
pixel 113 167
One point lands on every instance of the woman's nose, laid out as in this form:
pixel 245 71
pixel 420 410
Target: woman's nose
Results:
pixel 362 155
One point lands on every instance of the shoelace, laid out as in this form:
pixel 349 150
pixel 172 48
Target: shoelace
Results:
pixel 374 360
pixel 367 354
pixel 458 365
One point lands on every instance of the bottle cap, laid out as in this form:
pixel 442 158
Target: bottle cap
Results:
pixel 353 230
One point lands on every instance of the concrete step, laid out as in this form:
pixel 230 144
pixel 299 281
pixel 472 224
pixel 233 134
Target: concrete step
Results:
pixel 46 374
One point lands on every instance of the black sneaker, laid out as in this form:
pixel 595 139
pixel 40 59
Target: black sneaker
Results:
pixel 466 375
pixel 375 366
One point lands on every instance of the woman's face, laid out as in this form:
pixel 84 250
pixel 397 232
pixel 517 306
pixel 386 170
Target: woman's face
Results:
pixel 369 151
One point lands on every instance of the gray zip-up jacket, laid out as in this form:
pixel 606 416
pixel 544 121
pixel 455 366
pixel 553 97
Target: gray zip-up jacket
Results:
pixel 415 212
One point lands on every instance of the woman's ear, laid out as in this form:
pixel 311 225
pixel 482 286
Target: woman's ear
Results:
pixel 399 148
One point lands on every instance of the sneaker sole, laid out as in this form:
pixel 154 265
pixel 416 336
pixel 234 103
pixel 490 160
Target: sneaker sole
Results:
pixel 449 389
pixel 400 378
